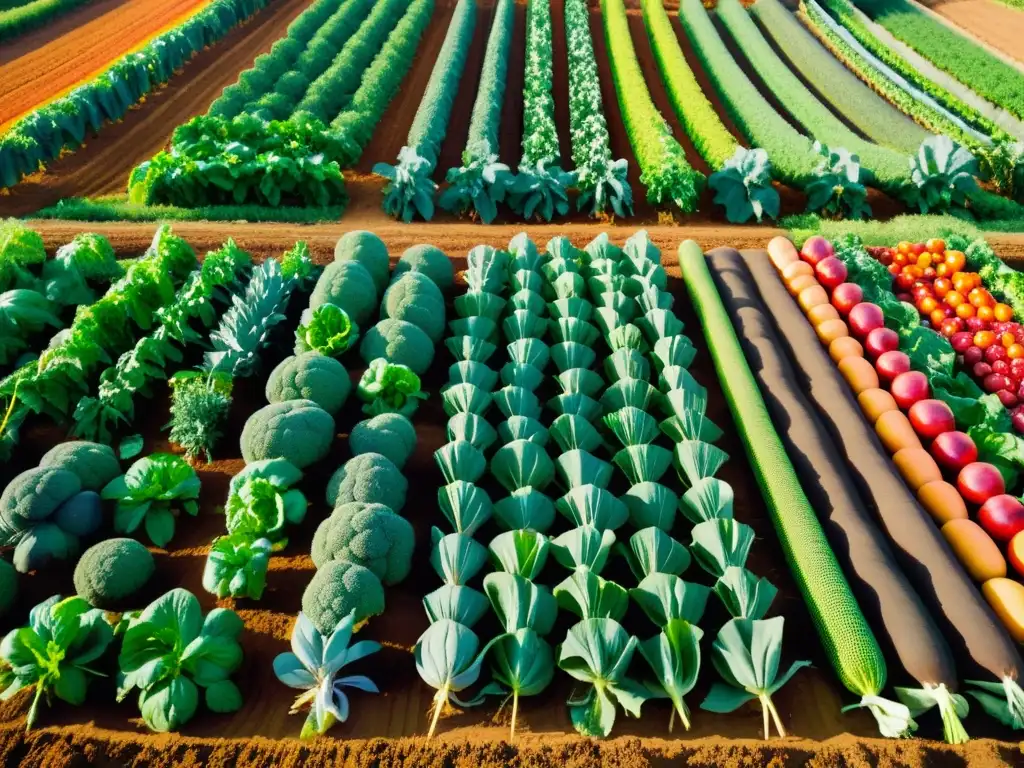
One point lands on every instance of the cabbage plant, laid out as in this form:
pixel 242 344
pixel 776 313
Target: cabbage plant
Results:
pixel 327 329
pixel 944 174
pixel 313 666
pixel 150 493
pixel 836 189
pixel 743 186
pixel 388 387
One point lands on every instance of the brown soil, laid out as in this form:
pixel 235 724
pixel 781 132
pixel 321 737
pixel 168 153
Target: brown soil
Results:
pixel 560 83
pixel 510 136
pixel 387 730
pixel 59 26
pixel 103 164
pixel 999 25
pixel 32 76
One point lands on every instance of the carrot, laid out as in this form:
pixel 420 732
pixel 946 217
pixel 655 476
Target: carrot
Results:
pixel 917 467
pixel 891 604
pixel 823 312
pixel 1006 597
pixel 875 402
pixel 943 501
pixel 975 549
pixel 801 282
pixel 796 269
pixel 830 330
pixel 967 621
pixel 896 432
pixel 812 296
pixel 847 346
pixel 859 373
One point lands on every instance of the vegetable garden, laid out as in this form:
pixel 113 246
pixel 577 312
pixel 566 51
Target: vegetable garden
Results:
pixel 421 383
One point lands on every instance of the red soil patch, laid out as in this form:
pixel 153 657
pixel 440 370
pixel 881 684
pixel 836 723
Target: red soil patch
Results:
pixel 560 83
pixel 61 25
pixel 999 25
pixel 387 729
pixel 510 138
pixel 102 165
pixel 39 75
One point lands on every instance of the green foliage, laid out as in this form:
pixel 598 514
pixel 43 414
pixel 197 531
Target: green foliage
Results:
pixel 338 589
pixel 261 500
pixel 313 666
pixel 1002 164
pixel 665 172
pixel 87 261
pixel 398 342
pixel 414 297
pixel 370 535
pixel 943 173
pixel 674 657
pixel 43 134
pixel 327 330
pixel 743 186
pixel 297 430
pixel 151 493
pixel 23 313
pixel 369 478
pixel 215 161
pixel 112 571
pixel 523 662
pixel 117 208
pixel 835 189
pixel 8 588
pixel 237 566
pixel 598 652
pixel 20 18
pixel 170 651
pixel 410 191
pixel 52 654
pixel 391 435
pixel 199 409
pixel 389 388
pixel 310 376
pixel 600 179
pixel 348 285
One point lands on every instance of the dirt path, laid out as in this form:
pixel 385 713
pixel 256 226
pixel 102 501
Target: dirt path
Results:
pixel 61 25
pixel 39 75
pixel 995 24
pixel 102 166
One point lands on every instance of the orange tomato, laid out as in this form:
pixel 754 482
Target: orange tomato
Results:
pixel 984 339
pixel 954 298
pixel 1003 312
pixel 924 260
pixel 965 311
pixel 928 305
pixel 1007 339
pixel 956 260
pixel 936 245
pixel 977 297
pixel 819 314
pixel 1015 351
pixel 986 313
pixel 942 286
pixel 900 259
pixel 903 248
pixel 961 282
pixel 914 271
pixel 937 316
pixel 943 270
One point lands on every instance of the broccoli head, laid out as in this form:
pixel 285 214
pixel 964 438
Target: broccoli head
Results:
pixel 370 251
pixel 369 478
pixel 398 341
pixel 297 430
pixel 339 588
pixel 370 535
pixel 348 285
pixel 81 515
pixel 8 586
pixel 310 376
pixel 391 435
pixel 430 261
pixel 33 496
pixel 414 297
pixel 94 463
pixel 112 571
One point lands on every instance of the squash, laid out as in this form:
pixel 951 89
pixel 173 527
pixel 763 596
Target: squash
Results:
pixel 1006 597
pixel 845 346
pixel 821 313
pixel 1015 552
pixel 975 549
pixel 796 269
pixel 830 330
pixel 859 374
pixel 782 252
pixel 812 297
pixel 917 467
pixel 874 402
pixel 801 282
pixel 942 501
pixel 896 432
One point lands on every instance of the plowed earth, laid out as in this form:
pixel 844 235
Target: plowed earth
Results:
pixel 33 76
pixel 999 25
pixel 387 730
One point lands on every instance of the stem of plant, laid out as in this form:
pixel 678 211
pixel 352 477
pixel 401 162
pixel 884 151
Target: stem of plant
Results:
pixel 439 700
pixel 775 717
pixel 515 712
pixel 764 716
pixel 10 408
pixel 672 720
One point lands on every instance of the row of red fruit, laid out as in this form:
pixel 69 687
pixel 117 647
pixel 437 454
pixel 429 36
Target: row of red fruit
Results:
pixel 955 303
pixel 980 484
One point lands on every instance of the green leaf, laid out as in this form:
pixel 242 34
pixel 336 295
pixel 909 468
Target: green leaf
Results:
pixel 456 558
pixel 169 704
pixel 130 447
pixel 590 597
pixel 223 697
pixel 664 597
pixel 525 508
pixel 519 603
pixel 721 543
pixel 654 551
pixel 520 552
pixel 458 603
pixel 585 547
pixel 674 656
pixel 160 526
pixel 708 499
pixel 744 595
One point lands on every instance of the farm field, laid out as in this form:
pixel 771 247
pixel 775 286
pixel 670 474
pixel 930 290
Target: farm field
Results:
pixel 991 22
pixel 511 382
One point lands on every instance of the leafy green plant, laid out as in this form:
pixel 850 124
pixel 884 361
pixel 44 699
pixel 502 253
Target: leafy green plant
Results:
pixel 1002 164
pixel 523 662
pixel 328 330
pixel 314 665
pixel 52 654
pixel 261 500
pixel 743 186
pixel 151 493
pixel 587 595
pixel 674 656
pixel 237 566
pixel 23 313
pixel 746 654
pixel 598 652
pixel 388 387
pixel 835 189
pixel 944 174
pixel 449 659
pixel 170 651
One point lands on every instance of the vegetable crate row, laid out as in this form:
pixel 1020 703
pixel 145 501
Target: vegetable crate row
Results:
pixel 581 530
